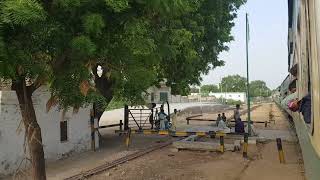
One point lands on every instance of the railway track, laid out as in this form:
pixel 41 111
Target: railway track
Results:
pixel 109 165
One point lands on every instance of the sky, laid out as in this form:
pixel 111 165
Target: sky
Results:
pixel 268 57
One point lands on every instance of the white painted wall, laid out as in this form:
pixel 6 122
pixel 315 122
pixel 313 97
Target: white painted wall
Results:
pixel 11 142
pixel 237 96
pixel 157 92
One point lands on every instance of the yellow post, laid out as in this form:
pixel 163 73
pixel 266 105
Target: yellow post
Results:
pixel 222 144
pixel 245 145
pixel 128 138
pixel 280 150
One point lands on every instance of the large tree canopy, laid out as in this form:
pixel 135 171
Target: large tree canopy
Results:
pixel 259 88
pixel 236 83
pixel 209 88
pixel 233 83
pixel 137 43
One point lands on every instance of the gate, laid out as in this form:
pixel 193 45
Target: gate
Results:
pixel 142 118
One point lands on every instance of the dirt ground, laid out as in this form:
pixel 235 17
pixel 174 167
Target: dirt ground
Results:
pixel 165 164
pixel 262 164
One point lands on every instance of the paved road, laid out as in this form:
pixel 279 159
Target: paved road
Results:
pixel 112 117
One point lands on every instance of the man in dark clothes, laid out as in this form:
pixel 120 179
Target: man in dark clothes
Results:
pixel 305 108
pixel 224 118
pixel 239 127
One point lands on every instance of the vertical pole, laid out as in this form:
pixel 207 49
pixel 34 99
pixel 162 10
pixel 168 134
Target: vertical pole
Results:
pixel 245 145
pixel 120 128
pixel 93 141
pixel 126 117
pixel 168 106
pixel 248 85
pixel 152 118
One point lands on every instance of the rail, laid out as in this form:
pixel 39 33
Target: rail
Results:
pixel 109 165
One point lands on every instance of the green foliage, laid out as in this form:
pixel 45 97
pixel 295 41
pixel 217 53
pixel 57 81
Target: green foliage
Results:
pixel 94 24
pixel 232 102
pixel 236 83
pixel 259 89
pixel 118 5
pixel 69 4
pixel 115 104
pixel 209 88
pixel 233 83
pixel 138 42
pixel 18 12
pixel 83 46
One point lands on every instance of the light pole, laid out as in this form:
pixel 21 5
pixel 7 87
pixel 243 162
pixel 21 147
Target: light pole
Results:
pixel 248 85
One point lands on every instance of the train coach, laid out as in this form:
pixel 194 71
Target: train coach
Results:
pixel 299 94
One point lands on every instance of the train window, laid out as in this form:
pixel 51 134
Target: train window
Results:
pixel 293 86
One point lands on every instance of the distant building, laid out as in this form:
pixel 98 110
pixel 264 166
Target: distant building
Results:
pixel 236 96
pixel 163 94
pixel 159 94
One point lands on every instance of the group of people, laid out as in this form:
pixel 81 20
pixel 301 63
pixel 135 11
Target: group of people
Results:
pixel 224 125
pixel 163 120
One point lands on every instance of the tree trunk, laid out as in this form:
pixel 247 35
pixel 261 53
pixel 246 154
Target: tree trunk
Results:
pixel 32 129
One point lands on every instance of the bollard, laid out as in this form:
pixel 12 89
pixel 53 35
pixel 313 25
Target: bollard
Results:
pixel 126 117
pixel 128 138
pixel 221 144
pixel 245 145
pixel 120 125
pixel 280 150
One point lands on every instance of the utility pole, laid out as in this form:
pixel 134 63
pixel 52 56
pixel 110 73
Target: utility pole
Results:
pixel 248 85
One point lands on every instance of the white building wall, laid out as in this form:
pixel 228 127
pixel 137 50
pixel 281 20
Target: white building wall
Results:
pixel 237 96
pixel 156 91
pixel 11 139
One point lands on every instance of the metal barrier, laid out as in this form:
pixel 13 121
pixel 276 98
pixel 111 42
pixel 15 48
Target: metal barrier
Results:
pixel 113 125
pixel 196 118
pixel 174 133
pixel 142 118
pixel 139 118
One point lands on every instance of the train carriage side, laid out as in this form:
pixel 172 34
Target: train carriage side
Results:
pixel 304 68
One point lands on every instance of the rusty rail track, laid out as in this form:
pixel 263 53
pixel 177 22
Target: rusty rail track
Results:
pixel 109 165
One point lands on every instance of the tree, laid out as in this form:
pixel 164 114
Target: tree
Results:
pixel 194 90
pixel 137 43
pixel 259 88
pixel 233 83
pixel 209 88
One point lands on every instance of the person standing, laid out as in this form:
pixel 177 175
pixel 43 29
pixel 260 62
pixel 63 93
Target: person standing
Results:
pixel 239 127
pixel 218 119
pixel 224 118
pixel 163 119
pixel 236 113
